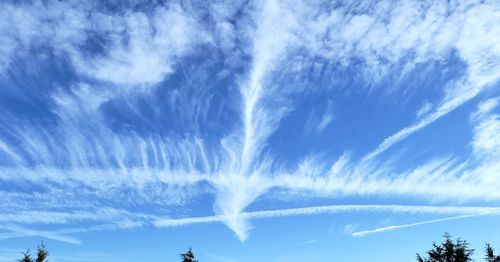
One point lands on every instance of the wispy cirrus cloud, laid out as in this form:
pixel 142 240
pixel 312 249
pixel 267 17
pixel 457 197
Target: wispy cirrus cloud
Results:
pixel 16 231
pixel 125 48
pixel 195 129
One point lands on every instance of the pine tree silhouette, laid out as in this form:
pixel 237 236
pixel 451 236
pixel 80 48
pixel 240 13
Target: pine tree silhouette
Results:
pixel 490 255
pixel 188 256
pixel 448 251
pixel 26 257
pixel 42 253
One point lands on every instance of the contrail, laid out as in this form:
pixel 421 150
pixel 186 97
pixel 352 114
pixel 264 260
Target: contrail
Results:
pixel 447 107
pixel 396 227
pixel 464 211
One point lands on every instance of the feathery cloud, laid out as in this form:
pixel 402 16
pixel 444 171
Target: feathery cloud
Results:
pixel 156 105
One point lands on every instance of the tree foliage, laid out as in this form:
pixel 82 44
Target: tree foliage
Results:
pixel 41 255
pixel 490 254
pixel 188 256
pixel 448 251
pixel 26 257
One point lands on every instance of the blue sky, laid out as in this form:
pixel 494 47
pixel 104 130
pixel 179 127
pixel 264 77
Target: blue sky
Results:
pixel 248 130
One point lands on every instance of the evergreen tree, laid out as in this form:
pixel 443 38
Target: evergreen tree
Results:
pixel 448 251
pixel 188 256
pixel 26 257
pixel 42 253
pixel 490 255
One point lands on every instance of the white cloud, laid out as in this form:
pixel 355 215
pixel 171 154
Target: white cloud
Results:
pixel 234 193
pixel 397 227
pixel 153 44
pixel 424 109
pixel 333 209
pixel 269 44
pixel 325 121
pixel 317 122
pixel 464 94
pixel 412 26
pixel 16 231
pixel 142 49
pixel 139 48
pixel 475 177
pixel 243 185
pixel 486 140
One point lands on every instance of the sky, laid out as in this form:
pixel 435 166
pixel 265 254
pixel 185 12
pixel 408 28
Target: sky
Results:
pixel 302 130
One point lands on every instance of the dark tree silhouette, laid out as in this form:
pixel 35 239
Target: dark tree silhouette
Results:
pixel 26 257
pixel 448 251
pixel 188 256
pixel 42 253
pixel 490 255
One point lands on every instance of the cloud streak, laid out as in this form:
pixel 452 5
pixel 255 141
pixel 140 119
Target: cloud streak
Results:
pixel 155 105
pixel 16 231
pixel 365 233
pixel 445 108
pixel 334 209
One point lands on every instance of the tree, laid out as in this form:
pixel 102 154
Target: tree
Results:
pixel 26 257
pixel 42 253
pixel 188 256
pixel 490 255
pixel 449 251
